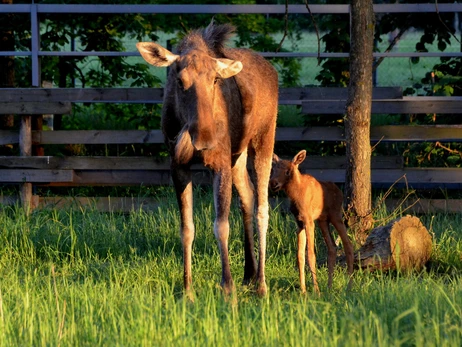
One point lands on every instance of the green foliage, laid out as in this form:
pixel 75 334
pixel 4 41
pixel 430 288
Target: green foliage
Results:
pixel 335 72
pixel 114 117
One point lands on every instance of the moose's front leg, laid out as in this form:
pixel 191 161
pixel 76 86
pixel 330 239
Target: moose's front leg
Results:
pixel 222 190
pixel 183 188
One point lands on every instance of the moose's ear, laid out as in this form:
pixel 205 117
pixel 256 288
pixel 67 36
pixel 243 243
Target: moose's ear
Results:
pixel 228 68
pixel 299 157
pixel 155 54
pixel 275 158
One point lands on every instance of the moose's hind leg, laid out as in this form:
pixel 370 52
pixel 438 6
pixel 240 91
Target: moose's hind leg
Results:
pixel 245 189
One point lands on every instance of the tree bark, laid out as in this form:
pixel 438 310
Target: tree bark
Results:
pixel 358 120
pixel 403 244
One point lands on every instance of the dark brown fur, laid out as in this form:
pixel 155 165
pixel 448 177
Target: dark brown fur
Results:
pixel 220 106
pixel 312 200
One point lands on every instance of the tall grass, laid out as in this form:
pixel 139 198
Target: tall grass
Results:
pixel 83 278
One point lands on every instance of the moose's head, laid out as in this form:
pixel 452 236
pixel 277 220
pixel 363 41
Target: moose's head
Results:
pixel 196 78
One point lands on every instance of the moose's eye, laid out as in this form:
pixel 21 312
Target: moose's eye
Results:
pixel 180 83
pixel 216 80
pixel 287 172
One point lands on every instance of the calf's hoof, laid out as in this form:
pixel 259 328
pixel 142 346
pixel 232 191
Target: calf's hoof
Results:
pixel 262 289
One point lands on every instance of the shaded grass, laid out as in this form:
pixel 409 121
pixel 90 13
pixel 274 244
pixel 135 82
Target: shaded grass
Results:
pixel 80 277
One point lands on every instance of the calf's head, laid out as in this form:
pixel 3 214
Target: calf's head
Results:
pixel 282 171
pixel 196 79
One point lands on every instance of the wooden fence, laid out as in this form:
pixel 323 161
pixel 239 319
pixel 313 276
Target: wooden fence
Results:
pixel 28 170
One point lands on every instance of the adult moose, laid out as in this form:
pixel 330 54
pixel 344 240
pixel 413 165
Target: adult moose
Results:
pixel 220 107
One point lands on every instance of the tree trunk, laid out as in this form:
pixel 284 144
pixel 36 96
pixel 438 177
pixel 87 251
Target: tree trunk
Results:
pixel 358 119
pixel 403 244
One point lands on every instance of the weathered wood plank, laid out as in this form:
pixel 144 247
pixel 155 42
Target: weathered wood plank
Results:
pixel 419 175
pixel 148 163
pixel 84 163
pixel 155 95
pixel 8 137
pixel 422 206
pixel 98 137
pixel 386 133
pixel 413 177
pixel 35 176
pixel 414 105
pixel 294 96
pixel 113 95
pixel 320 133
pixel 122 177
pixel 34 108
pixel 420 133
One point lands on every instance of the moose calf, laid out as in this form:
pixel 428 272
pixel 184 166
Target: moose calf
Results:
pixel 312 200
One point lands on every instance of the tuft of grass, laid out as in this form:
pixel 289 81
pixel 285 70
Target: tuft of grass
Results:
pixel 81 277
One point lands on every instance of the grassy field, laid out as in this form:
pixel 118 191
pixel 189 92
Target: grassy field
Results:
pixel 84 278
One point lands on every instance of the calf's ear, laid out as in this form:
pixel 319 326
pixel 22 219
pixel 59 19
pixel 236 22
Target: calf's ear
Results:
pixel 299 157
pixel 275 158
pixel 155 54
pixel 228 68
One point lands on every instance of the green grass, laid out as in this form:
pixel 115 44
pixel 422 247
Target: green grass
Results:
pixel 84 278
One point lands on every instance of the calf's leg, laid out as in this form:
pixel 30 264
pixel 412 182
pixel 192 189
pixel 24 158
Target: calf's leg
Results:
pixel 309 228
pixel 347 246
pixel 331 251
pixel 301 253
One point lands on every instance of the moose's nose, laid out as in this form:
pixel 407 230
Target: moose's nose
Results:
pixel 202 138
pixel 201 144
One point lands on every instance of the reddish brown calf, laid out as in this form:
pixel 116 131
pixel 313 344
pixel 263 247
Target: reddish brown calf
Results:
pixel 312 200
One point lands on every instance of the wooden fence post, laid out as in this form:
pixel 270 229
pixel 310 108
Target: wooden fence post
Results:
pixel 25 150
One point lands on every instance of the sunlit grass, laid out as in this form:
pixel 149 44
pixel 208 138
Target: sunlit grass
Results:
pixel 84 278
